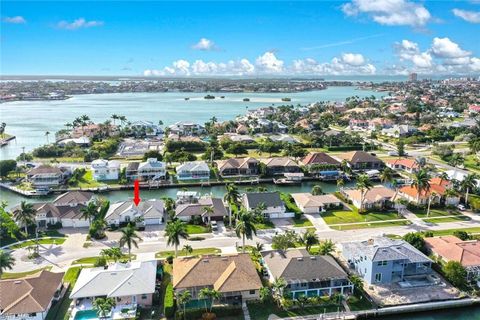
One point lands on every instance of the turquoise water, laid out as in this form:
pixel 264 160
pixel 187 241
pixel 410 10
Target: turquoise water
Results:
pixel 86 315
pixel 29 120
pixel 468 313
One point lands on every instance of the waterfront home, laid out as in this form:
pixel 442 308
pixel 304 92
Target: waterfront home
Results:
pixel 358 124
pixel 131 171
pixel 408 165
pixel 235 137
pixel 320 160
pixel 130 284
pixel 45 176
pixel 361 160
pixel 283 138
pixel 193 170
pixel 187 197
pixel 398 131
pixel 381 260
pixel 305 274
pixel 186 211
pixel 66 209
pixel 238 167
pixel 148 212
pixel 30 297
pixel 436 193
pixel 280 165
pixel 145 128
pixel 309 203
pixel 273 205
pixel 451 248
pixel 93 129
pixel 80 142
pixel 137 148
pixel 233 276
pixel 377 197
pixel 241 129
pixel 186 128
pixel 152 169
pixel 105 170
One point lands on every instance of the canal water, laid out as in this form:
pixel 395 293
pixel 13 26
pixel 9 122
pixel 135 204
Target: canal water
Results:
pixel 467 313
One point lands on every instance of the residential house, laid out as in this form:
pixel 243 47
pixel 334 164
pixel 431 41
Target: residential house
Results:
pixel 148 212
pixel 274 206
pixel 187 128
pixel 377 197
pixel 408 165
pixel 451 248
pixel 238 167
pixel 131 172
pixel 283 138
pixel 105 170
pixel 233 276
pixel 361 160
pixel 436 193
pixel 194 170
pixel 358 124
pixel 186 211
pixel 305 274
pixel 280 165
pixel 398 131
pixel 187 197
pixel 382 260
pixel 130 284
pixel 80 142
pixel 309 203
pixel 152 169
pixel 30 297
pixel 145 128
pixel 320 159
pixel 45 176
pixel 93 129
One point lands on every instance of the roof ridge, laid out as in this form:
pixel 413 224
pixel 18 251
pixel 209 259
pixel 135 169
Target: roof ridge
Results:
pixel 225 275
pixel 188 271
pixel 121 283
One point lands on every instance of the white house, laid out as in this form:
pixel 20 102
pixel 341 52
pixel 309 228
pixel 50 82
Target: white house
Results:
pixel 274 206
pixel 309 203
pixel 152 169
pixel 105 170
pixel 197 170
pixel 151 212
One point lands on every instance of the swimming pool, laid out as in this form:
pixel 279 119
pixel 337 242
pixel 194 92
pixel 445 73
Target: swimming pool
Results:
pixel 86 315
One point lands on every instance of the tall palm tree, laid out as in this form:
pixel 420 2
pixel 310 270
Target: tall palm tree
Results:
pixel 387 175
pixel 174 231
pixel 129 237
pixel 317 190
pixel 421 181
pixel 232 196
pixel 47 133
pixel 432 196
pixel 340 183
pixel 183 298
pixel 6 261
pixel 208 210
pixel 209 294
pixel 188 249
pixel 326 247
pixel 456 160
pixel 278 287
pixel 90 212
pixel 25 215
pixel 245 228
pixel 310 239
pixel 444 177
pixel 468 183
pixel 114 117
pixel 103 306
pixel 363 184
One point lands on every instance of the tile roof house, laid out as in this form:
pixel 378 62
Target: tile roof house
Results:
pixel 451 248
pixel 382 260
pixel 320 158
pixel 405 164
pixel 45 176
pixel 30 297
pixel 359 160
pixel 131 285
pixel 306 274
pixel 151 212
pixel 238 167
pixel 274 206
pixel 309 203
pixel 233 276
pixel 186 211
pixel 438 188
pixel 193 170
pixel 280 165
pixel 399 130
pixel 379 196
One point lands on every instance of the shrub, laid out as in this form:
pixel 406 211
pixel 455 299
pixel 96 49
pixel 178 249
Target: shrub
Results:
pixel 54 226
pixel 100 262
pixel 169 259
pixel 455 273
pixel 415 239
pixel 6 166
pixel 462 235
pixel 168 302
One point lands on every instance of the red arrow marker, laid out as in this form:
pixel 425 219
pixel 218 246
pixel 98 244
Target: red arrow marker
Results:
pixel 136 192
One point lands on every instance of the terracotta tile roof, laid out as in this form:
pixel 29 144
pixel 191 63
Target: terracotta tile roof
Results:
pixel 408 163
pixel 452 248
pixel 437 185
pixel 30 294
pixel 307 200
pixel 377 193
pixel 235 163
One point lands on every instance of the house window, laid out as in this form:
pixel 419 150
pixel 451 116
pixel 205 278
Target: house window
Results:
pixel 378 277
pixel 252 291
pixel 32 314
pixel 382 263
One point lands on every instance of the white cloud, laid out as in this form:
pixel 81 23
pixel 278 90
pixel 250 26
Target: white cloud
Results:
pixel 78 24
pixel 269 63
pixel 15 20
pixel 204 44
pixel 353 59
pixel 346 64
pixel 469 16
pixel 390 12
pixel 409 51
pixel 445 48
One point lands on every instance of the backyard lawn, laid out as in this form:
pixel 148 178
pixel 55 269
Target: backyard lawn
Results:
pixel 196 229
pixel 87 181
pixel 195 252
pixel 267 224
pixel 262 311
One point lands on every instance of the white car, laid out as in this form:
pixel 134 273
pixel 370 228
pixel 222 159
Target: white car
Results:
pixel 461 207
pixel 214 225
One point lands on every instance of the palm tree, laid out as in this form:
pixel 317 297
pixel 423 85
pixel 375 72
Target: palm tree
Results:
pixel 326 247
pixel 129 237
pixel 310 239
pixel 174 231
pixel 208 210
pixel 245 228
pixel 209 294
pixel 188 249
pixel 114 117
pixel 421 181
pixel 278 287
pixel 363 184
pixel 456 160
pixel 444 177
pixel 103 306
pixel 183 298
pixel 468 183
pixel 387 175
pixel 317 190
pixel 340 183
pixel 6 261
pixel 25 215
pixel 232 196
pixel 114 254
pixel 47 133
pixel 90 212
pixel 432 196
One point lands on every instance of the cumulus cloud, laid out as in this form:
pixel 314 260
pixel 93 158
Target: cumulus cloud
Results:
pixel 15 20
pixel 445 48
pixel 205 44
pixel 409 51
pixel 389 12
pixel 79 24
pixel 269 63
pixel 469 16
pixel 346 64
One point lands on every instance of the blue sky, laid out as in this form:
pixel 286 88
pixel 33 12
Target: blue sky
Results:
pixel 240 38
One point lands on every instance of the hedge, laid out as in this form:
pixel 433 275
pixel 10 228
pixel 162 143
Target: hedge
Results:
pixel 168 302
pixel 351 148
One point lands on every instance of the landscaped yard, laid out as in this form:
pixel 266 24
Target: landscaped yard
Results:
pixel 261 311
pixel 195 252
pixel 301 222
pixel 371 225
pixel 59 311
pixel 267 224
pixel 352 216
pixel 196 229
pixel 16 275
pixel 91 260
pixel 87 181
pixel 440 215
pixel 40 241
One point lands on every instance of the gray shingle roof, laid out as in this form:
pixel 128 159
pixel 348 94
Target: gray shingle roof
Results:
pixel 270 199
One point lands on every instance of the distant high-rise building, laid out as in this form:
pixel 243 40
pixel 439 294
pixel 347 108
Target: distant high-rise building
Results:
pixel 412 76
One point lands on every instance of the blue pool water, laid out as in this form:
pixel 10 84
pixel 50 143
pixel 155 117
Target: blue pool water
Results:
pixel 86 315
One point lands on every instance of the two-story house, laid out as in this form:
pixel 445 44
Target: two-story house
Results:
pixel 105 170
pixel 45 176
pixel 193 170
pixel 148 212
pixel 273 206
pixel 152 169
pixel 238 167
pixel 280 165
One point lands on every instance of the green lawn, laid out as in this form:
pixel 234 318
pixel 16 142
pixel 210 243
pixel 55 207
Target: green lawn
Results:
pixel 352 216
pixel 196 229
pixel 262 311
pixel 448 219
pixel 40 241
pixel 372 225
pixel 358 303
pixel 472 162
pixel 302 222
pixel 91 260
pixel 451 231
pixel 422 213
pixel 16 275
pixel 87 181
pixel 196 252
pixel 267 224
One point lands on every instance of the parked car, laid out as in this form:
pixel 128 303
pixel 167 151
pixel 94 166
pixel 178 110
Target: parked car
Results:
pixel 214 226
pixel 392 153
pixel 461 207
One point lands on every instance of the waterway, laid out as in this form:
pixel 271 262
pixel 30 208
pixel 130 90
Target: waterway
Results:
pixel 29 120
pixel 467 313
